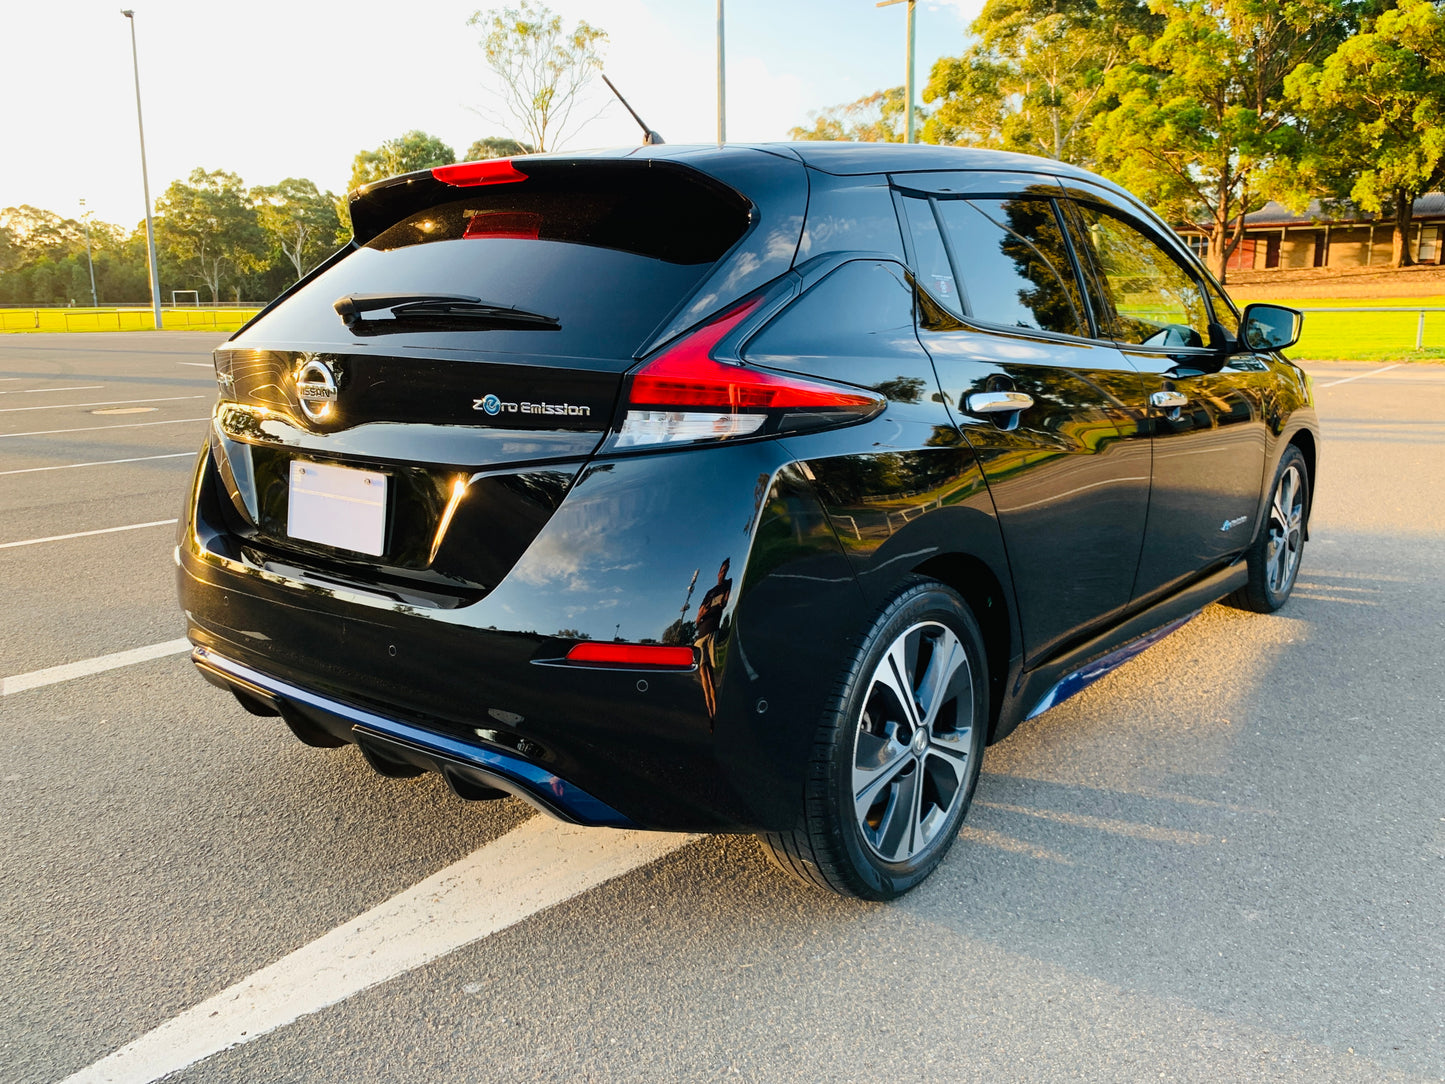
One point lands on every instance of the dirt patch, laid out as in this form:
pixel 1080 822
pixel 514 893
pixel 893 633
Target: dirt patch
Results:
pixel 1354 282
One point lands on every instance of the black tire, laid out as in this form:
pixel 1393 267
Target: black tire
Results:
pixel 1274 556
pixel 855 835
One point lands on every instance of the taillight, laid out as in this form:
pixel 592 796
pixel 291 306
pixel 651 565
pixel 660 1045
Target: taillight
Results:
pixel 490 171
pixel 686 394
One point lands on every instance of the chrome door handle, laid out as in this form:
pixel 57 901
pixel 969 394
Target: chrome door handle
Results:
pixel 998 402
pixel 1168 400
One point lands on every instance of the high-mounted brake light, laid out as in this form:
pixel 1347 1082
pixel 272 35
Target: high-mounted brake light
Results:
pixel 685 394
pixel 490 171
pixel 613 654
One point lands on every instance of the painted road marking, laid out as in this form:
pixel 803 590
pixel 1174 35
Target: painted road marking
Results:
pixel 109 402
pixel 1361 376
pixel 533 867
pixel 98 665
pixel 93 428
pixel 199 364
pixel 36 391
pixel 86 534
pixel 98 463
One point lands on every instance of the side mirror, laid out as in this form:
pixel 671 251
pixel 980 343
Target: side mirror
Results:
pixel 1269 327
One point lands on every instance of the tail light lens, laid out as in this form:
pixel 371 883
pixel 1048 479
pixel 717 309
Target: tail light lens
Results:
pixel 470 174
pixel 687 394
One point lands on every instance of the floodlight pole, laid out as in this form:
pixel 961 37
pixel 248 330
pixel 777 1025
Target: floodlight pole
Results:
pixel 722 126
pixel 144 177
pixel 908 81
pixel 85 218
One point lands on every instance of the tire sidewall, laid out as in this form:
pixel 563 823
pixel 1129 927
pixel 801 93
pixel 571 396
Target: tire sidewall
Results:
pixel 924 603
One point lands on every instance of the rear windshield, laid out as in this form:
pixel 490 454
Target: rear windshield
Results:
pixel 606 258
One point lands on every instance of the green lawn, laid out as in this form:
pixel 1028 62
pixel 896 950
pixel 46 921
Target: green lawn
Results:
pixel 124 319
pixel 1369 336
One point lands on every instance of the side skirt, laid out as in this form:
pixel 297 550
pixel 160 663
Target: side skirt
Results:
pixel 1053 682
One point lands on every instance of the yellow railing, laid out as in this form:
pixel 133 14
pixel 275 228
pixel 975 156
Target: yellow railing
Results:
pixel 125 319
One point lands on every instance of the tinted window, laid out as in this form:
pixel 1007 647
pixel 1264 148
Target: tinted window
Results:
pixel 1149 298
pixel 846 217
pixel 609 257
pixel 1013 264
pixel 1223 311
pixel 930 258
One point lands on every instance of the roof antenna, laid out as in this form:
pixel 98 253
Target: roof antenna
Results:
pixel 649 137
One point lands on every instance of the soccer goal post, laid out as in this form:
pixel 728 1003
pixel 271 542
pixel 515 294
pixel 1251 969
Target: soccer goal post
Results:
pixel 187 297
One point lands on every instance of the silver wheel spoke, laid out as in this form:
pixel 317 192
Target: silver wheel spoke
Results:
pixel 894 837
pixel 945 662
pixel 893 673
pixel 868 781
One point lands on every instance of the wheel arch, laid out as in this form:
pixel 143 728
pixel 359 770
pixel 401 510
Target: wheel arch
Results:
pixel 1305 441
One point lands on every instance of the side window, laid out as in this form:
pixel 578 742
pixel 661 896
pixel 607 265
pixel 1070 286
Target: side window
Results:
pixel 1013 264
pixel 930 258
pixel 1153 300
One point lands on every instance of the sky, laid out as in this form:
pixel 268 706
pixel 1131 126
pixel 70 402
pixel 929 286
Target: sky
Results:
pixel 270 89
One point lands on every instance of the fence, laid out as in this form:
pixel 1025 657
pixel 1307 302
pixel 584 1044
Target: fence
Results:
pixel 1380 329
pixel 222 318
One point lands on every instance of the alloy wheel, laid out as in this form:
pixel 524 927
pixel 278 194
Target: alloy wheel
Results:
pixel 911 752
pixel 1286 531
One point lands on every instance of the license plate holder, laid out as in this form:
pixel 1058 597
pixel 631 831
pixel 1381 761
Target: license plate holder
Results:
pixel 342 507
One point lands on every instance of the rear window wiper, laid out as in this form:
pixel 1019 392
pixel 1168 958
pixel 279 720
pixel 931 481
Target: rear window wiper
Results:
pixel 452 309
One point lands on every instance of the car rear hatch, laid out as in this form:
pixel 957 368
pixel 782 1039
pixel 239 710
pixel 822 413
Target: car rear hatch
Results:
pixel 409 416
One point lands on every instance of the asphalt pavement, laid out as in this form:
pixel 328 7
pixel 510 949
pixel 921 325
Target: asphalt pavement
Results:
pixel 1224 862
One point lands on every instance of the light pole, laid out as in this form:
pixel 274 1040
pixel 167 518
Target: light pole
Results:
pixel 85 218
pixel 722 124
pixel 144 179
pixel 908 82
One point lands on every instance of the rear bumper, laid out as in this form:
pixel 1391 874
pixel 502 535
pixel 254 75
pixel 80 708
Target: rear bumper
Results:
pixel 405 744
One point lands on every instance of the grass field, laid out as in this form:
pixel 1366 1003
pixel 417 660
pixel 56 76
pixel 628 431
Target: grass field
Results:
pixel 1328 336
pixel 124 319
pixel 1369 336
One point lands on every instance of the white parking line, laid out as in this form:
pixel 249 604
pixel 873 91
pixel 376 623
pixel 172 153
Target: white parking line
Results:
pixel 36 391
pixel 533 867
pixel 93 428
pixel 85 534
pixel 198 364
pixel 98 463
pixel 98 665
pixel 108 402
pixel 1361 376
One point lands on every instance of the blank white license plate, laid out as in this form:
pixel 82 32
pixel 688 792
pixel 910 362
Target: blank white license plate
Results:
pixel 337 506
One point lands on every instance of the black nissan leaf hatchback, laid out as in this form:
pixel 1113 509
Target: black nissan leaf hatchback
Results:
pixel 743 488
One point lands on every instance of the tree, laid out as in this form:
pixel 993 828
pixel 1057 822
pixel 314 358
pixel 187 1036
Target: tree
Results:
pixel 874 118
pixel 209 227
pixel 1035 77
pixel 1199 116
pixel 496 147
pixel 542 68
pixel 1376 109
pixel 412 151
pixel 298 219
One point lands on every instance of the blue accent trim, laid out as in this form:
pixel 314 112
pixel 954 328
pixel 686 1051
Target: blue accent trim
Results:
pixel 553 793
pixel 1085 676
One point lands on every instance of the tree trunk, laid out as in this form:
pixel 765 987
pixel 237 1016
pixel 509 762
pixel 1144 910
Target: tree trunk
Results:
pixel 1400 246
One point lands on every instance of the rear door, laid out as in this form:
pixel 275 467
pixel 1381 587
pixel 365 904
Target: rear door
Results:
pixel 1069 473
